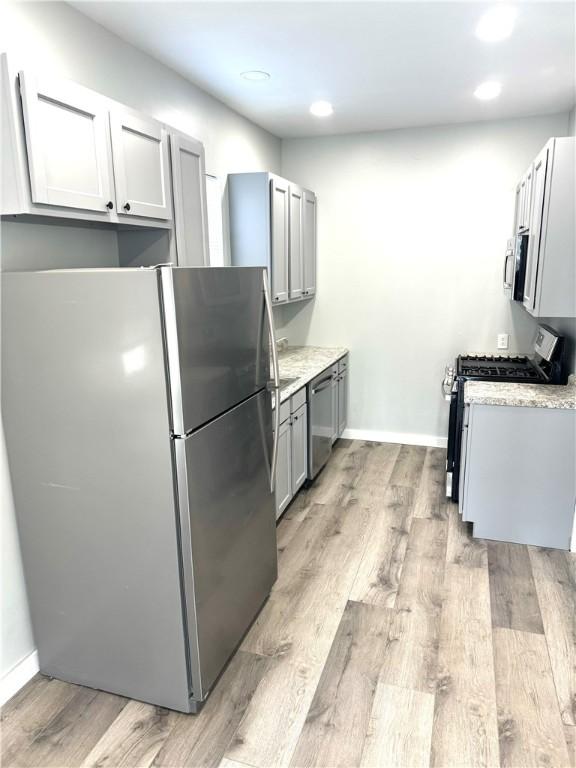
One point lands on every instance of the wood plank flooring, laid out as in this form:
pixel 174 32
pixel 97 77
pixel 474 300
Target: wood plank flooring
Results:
pixel 391 639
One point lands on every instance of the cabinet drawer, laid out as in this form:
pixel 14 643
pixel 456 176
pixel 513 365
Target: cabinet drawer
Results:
pixel 298 399
pixel 343 364
pixel 284 411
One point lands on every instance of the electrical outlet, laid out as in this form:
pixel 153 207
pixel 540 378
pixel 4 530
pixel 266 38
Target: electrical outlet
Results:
pixel 503 340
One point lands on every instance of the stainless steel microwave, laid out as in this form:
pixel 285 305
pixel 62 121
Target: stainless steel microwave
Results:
pixel 515 266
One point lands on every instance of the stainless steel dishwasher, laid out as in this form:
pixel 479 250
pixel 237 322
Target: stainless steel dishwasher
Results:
pixel 320 421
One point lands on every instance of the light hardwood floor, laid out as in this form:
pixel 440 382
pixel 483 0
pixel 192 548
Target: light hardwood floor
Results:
pixel 391 638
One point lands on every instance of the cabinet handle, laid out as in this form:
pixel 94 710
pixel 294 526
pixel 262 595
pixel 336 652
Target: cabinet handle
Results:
pixel 109 205
pixel 127 207
pixel 295 418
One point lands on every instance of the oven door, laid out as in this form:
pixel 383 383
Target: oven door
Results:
pixel 452 442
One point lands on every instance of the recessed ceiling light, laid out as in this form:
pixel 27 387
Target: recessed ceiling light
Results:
pixel 488 90
pixel 321 109
pixel 256 75
pixel 496 24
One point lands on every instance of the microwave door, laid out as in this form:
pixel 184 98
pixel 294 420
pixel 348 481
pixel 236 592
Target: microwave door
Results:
pixel 520 257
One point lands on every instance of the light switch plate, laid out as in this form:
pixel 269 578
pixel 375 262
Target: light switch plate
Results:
pixel 503 340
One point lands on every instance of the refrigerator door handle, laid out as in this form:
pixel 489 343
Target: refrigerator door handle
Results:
pixel 276 374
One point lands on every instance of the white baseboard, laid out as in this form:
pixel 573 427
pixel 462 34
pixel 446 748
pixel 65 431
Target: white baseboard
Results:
pixel 18 676
pixel 408 438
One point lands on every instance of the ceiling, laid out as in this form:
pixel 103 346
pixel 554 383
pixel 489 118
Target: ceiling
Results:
pixel 381 64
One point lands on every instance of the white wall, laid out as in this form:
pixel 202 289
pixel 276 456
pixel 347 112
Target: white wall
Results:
pixel 55 38
pixel 412 226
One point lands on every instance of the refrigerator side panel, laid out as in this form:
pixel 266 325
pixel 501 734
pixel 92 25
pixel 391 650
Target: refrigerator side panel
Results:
pixel 217 340
pixel 85 409
pixel 229 532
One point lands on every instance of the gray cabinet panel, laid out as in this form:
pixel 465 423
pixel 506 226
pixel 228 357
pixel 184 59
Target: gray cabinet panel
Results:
pixel 299 447
pixel 280 217
pixel 520 484
pixel 189 193
pixel 309 242
pixel 296 250
pixel 284 468
pixel 342 401
pixel 224 491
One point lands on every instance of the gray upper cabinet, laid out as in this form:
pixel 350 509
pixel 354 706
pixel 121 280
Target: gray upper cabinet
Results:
pixel 68 152
pixel 280 238
pixel 141 165
pixel 309 242
pixel 551 262
pixel 296 270
pixel 273 224
pixel 67 143
pixel 189 195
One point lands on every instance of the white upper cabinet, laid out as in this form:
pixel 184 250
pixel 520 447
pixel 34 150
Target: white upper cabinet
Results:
pixel 309 242
pixel 540 166
pixel 296 250
pixel 279 222
pixel 141 165
pixel 68 147
pixel 189 195
pixel 551 262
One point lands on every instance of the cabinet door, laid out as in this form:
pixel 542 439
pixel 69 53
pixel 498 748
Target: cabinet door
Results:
pixel 279 217
pixel 189 193
pixel 517 209
pixel 296 250
pixel 68 144
pixel 309 243
pixel 299 447
pixel 342 402
pixel 140 152
pixel 334 386
pixel 535 224
pixel 284 468
pixel 525 199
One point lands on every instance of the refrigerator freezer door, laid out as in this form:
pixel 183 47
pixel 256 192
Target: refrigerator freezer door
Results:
pixel 217 340
pixel 228 532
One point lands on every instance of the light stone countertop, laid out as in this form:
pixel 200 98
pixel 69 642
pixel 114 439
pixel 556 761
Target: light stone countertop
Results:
pixel 303 364
pixel 524 395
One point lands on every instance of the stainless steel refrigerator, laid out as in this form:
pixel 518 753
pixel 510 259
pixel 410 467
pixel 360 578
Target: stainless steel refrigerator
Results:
pixel 137 411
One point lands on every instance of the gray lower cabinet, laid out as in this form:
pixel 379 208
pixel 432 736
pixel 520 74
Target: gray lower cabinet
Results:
pixel 517 470
pixel 299 448
pixel 342 395
pixel 292 466
pixel 284 468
